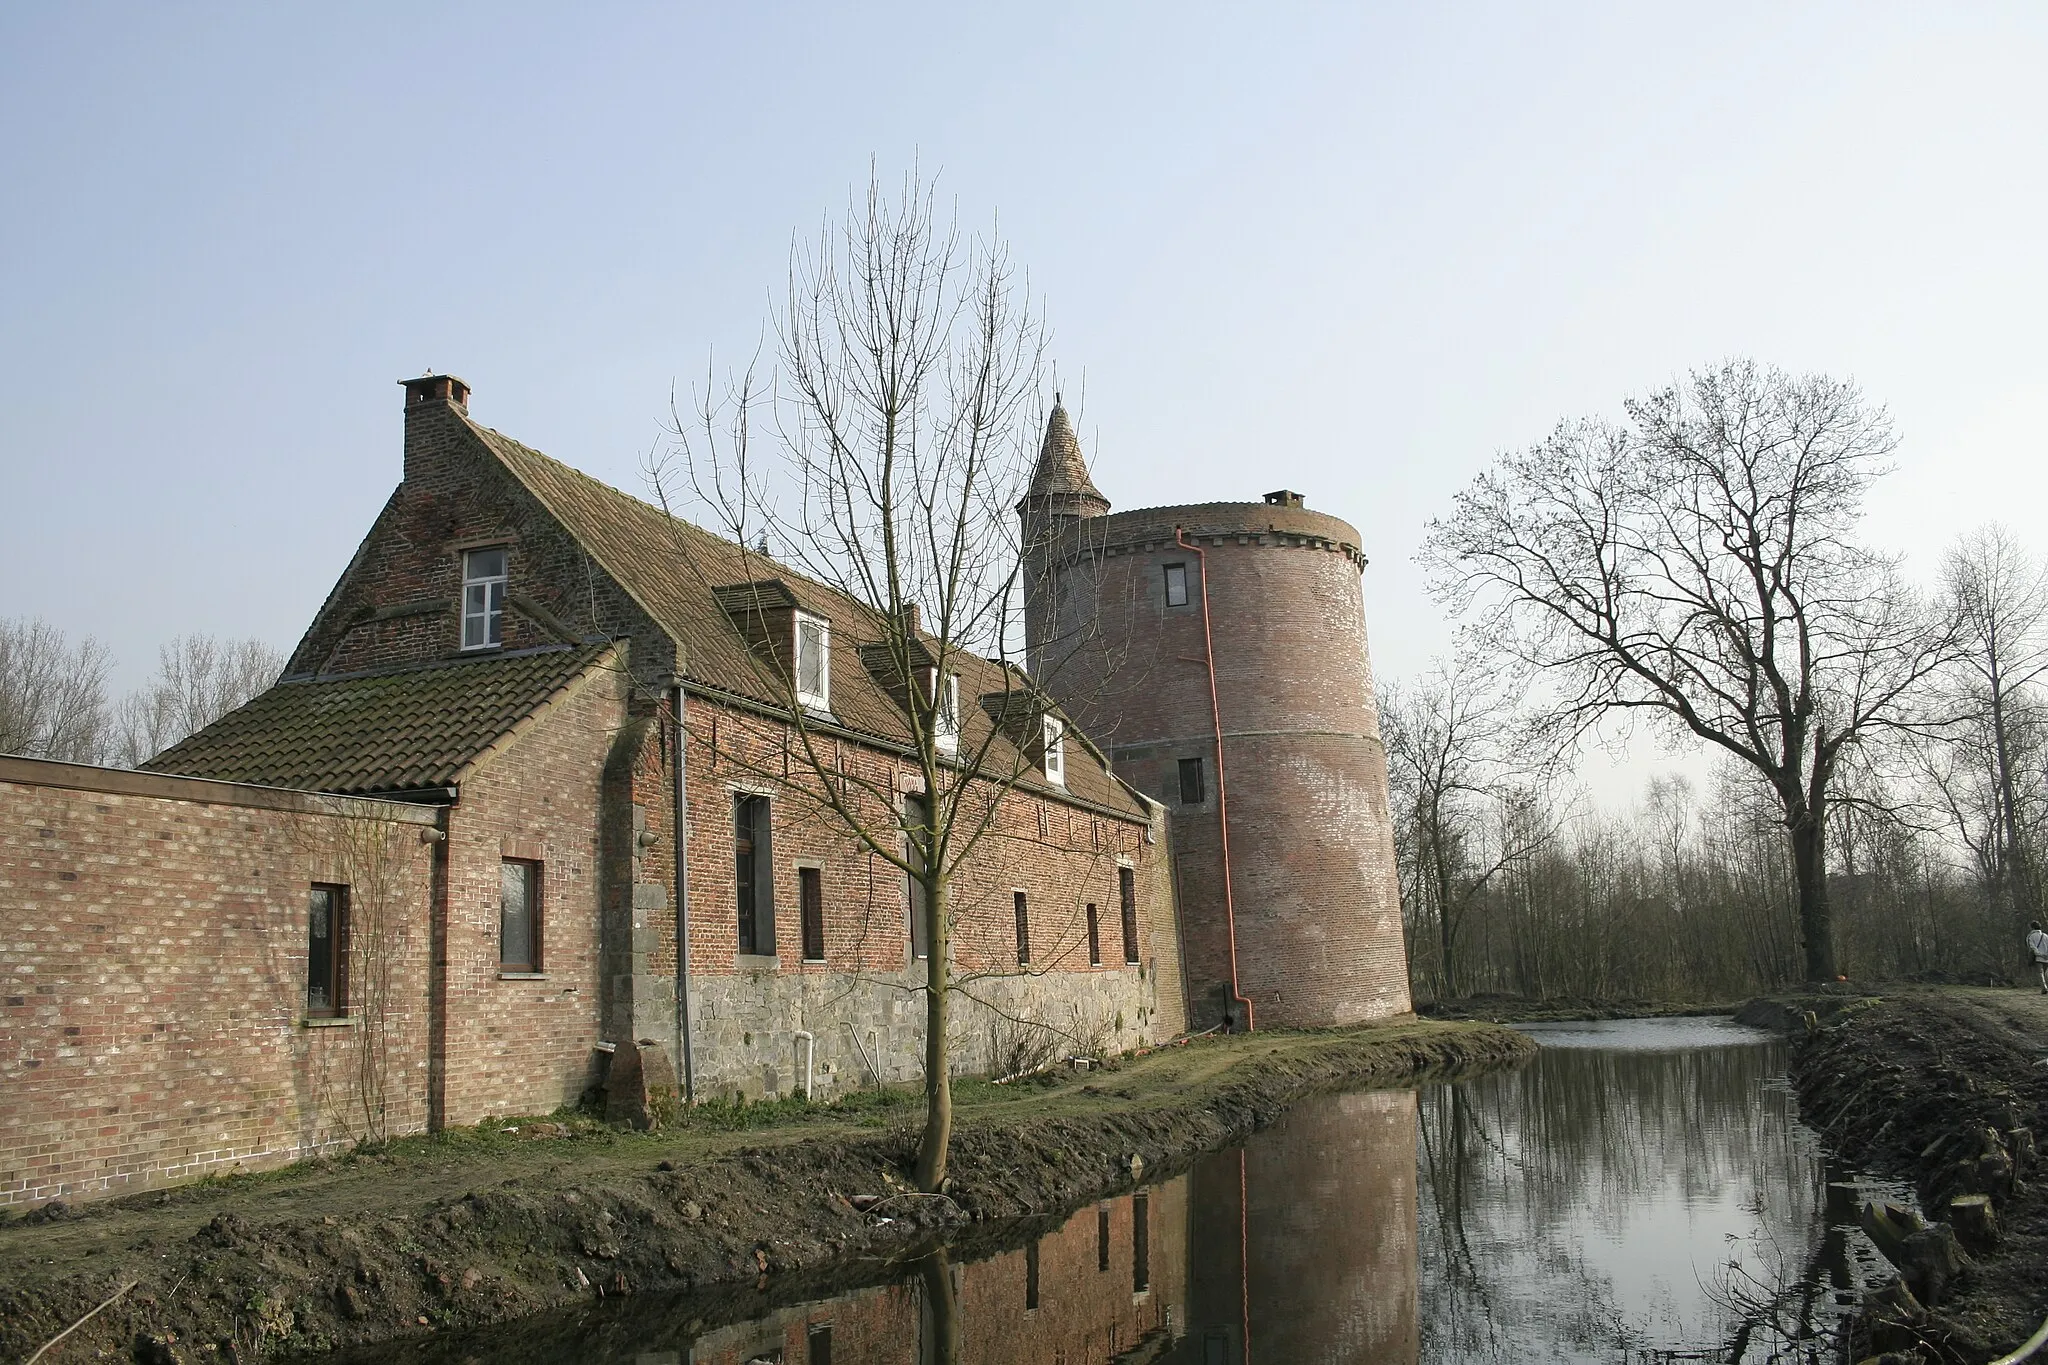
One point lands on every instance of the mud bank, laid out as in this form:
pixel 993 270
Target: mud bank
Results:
pixel 1943 1088
pixel 435 1234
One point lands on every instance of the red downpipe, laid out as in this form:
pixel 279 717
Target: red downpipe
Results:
pixel 1180 535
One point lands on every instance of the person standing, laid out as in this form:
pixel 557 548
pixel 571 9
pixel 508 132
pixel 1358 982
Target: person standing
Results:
pixel 2037 943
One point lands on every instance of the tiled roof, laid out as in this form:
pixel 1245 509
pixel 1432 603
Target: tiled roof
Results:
pixel 1061 470
pixel 405 730
pixel 674 569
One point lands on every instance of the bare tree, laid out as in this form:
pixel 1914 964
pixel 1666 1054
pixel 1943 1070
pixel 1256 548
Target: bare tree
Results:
pixel 1471 796
pixel 1696 566
pixel 198 680
pixel 1998 597
pixel 902 413
pixel 53 694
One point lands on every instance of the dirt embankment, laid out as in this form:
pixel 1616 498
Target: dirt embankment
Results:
pixel 1945 1088
pixel 479 1227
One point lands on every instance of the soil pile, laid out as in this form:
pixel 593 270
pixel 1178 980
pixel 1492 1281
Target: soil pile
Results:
pixel 430 1235
pixel 1946 1089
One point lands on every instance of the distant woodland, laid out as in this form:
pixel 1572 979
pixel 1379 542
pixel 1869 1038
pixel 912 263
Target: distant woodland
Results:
pixel 1691 574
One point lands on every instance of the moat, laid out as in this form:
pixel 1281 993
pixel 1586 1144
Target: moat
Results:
pixel 1642 1191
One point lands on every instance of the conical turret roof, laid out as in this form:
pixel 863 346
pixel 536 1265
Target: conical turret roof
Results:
pixel 1061 473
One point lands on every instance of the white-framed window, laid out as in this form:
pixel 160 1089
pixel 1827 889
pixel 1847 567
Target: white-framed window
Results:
pixel 814 661
pixel 1176 585
pixel 483 599
pixel 946 714
pixel 1055 760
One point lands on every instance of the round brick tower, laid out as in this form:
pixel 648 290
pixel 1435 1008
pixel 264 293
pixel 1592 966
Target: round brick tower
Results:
pixel 1150 626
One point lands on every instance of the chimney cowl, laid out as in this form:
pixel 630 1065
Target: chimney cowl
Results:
pixel 430 387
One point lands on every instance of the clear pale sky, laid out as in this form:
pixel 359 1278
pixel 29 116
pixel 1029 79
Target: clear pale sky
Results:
pixel 1353 250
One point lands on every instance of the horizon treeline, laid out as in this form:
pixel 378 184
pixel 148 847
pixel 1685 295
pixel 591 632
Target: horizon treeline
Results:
pixel 1512 885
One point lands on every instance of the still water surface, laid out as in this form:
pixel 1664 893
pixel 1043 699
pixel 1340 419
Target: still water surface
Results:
pixel 1642 1191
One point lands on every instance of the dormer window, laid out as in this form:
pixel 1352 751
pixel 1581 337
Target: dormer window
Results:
pixel 946 715
pixel 813 662
pixel 1054 760
pixel 483 599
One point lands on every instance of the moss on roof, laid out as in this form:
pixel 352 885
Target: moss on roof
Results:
pixel 403 730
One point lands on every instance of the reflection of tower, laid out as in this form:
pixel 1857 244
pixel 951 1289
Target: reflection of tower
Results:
pixel 1156 627
pixel 1308 1239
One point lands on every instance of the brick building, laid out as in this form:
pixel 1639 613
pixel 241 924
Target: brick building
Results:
pixel 499 674
pixel 1218 652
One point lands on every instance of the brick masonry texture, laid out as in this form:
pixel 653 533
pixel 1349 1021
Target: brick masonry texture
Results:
pixel 154 936
pixel 153 963
pixel 1317 900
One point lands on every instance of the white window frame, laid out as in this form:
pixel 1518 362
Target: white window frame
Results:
pixel 1053 758
pixel 488 617
pixel 946 713
pixel 821 699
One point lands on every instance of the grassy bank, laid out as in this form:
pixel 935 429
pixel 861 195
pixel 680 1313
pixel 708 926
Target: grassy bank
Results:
pixel 514 1218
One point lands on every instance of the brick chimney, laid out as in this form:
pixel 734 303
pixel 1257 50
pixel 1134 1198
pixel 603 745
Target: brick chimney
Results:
pixel 431 387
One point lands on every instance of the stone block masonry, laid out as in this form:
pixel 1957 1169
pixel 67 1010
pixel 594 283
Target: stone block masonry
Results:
pixel 153 965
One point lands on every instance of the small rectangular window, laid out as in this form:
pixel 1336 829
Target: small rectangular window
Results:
pixel 810 894
pixel 814 661
pixel 946 716
pixel 1094 936
pixel 819 1341
pixel 1030 1276
pixel 917 834
pixel 1127 901
pixel 1141 1243
pixel 327 952
pixel 1102 1237
pixel 1023 930
pixel 1054 761
pixel 483 599
pixel 1176 585
pixel 519 915
pixel 753 874
pixel 1194 785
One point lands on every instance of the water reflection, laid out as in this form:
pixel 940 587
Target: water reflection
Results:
pixel 1642 1191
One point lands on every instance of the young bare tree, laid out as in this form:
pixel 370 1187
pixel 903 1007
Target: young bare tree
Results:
pixel 198 680
pixel 1998 596
pixel 53 693
pixel 902 415
pixel 1696 566
pixel 1471 797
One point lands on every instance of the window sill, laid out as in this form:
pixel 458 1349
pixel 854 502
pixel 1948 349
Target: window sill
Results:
pixel 757 962
pixel 814 961
pixel 522 976
pixel 311 1021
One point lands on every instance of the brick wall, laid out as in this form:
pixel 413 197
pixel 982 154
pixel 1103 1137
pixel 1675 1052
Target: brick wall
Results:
pixel 747 1010
pixel 1317 900
pixel 519 1043
pixel 153 939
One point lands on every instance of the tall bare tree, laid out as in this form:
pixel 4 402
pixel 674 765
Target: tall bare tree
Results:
pixel 53 693
pixel 198 680
pixel 900 422
pixel 1471 796
pixel 1998 597
pixel 1696 565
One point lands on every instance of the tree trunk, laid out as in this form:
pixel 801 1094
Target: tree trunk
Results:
pixel 938 1075
pixel 2016 867
pixel 1810 869
pixel 941 1315
pixel 1440 876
